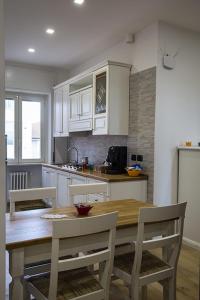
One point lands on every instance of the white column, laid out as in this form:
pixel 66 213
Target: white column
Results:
pixel 2 159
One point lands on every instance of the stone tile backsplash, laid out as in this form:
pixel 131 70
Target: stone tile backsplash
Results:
pixel 141 128
pixel 95 147
pixel 142 121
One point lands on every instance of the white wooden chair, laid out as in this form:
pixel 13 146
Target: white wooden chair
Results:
pixel 91 189
pixel 31 194
pixel 140 267
pixel 70 278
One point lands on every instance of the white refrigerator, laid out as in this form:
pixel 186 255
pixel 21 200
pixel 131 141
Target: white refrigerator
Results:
pixel 189 191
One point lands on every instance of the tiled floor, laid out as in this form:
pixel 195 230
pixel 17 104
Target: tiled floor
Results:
pixel 187 280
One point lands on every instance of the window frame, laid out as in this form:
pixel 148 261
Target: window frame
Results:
pixel 18 99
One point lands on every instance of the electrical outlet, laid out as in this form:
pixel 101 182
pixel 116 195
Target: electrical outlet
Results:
pixel 139 157
pixel 133 157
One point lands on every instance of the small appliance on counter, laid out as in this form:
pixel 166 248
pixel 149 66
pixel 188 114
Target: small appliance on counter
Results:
pixel 116 160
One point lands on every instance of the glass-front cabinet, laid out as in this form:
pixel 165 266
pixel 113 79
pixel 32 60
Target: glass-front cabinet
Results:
pixel 100 93
pixel 111 99
pixel 100 83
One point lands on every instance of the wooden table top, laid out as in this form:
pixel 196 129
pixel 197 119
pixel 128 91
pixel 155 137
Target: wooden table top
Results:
pixel 29 228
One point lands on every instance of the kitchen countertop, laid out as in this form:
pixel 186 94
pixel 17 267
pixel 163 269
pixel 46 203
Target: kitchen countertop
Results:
pixel 197 148
pixel 100 176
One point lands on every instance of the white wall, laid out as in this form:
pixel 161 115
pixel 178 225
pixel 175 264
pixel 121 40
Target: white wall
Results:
pixel 32 78
pixel 142 54
pixel 2 161
pixel 177 106
pixel 145 48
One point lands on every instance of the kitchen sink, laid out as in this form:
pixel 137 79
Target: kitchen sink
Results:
pixel 72 167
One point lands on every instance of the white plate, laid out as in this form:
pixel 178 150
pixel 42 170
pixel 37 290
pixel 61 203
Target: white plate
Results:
pixel 54 216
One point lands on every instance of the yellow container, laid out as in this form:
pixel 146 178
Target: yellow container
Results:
pixel 134 173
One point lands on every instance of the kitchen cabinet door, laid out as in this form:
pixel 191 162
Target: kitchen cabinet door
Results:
pixel 100 125
pixel 95 197
pixel 52 179
pixel 100 81
pixel 61 111
pixel 65 111
pixel 58 112
pixel 111 100
pixel 74 107
pixel 62 191
pixel 75 179
pixel 44 178
pixel 49 179
pixel 86 104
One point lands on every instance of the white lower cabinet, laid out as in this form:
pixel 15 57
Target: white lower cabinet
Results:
pixel 116 190
pixel 129 190
pixel 49 179
pixel 63 180
pixel 96 197
pixel 76 179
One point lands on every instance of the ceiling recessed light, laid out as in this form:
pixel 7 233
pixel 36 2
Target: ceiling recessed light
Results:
pixel 31 50
pixel 50 31
pixel 79 1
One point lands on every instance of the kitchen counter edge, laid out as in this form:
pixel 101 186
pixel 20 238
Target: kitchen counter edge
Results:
pixel 100 176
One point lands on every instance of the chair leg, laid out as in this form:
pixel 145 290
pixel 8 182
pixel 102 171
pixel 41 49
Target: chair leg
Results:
pixel 135 293
pixel 144 292
pixel 172 288
pixel 27 295
pixel 169 289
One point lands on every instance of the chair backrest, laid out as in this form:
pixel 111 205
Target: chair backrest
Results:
pixel 31 194
pixel 77 228
pixel 88 189
pixel 171 219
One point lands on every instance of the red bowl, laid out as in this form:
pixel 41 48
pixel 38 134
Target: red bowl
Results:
pixel 83 209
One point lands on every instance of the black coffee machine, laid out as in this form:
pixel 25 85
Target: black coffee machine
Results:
pixel 116 160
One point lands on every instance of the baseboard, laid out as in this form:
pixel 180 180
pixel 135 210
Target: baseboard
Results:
pixel 191 243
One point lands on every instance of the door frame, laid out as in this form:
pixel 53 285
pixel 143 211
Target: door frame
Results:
pixel 2 156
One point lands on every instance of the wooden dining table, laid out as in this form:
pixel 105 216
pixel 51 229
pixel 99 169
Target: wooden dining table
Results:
pixel 28 236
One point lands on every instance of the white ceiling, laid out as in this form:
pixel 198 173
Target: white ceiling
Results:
pixel 84 31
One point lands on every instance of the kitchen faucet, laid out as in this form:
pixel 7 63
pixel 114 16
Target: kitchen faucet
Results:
pixel 74 148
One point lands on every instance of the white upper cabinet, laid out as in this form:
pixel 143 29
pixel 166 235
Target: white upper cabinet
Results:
pixel 58 112
pixel 111 100
pixel 86 104
pixel 74 107
pixel 96 100
pixel 65 111
pixel 80 104
pixel 61 104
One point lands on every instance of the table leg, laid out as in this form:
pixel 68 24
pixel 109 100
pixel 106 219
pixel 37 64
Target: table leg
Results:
pixel 16 269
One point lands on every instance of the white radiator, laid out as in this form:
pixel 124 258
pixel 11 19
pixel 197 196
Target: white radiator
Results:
pixel 18 180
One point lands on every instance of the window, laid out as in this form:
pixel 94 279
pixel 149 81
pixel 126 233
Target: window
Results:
pixel 31 130
pixel 10 127
pixel 24 128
